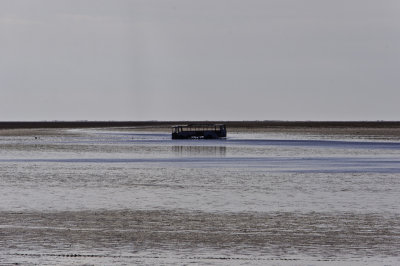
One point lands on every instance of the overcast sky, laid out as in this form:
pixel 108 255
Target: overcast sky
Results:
pixel 199 60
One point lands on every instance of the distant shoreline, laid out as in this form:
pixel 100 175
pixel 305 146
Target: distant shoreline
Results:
pixel 232 124
pixel 383 130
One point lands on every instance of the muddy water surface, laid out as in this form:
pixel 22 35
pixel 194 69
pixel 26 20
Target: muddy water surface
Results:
pixel 126 197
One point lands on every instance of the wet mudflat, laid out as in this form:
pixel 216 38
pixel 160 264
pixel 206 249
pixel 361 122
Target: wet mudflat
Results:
pixel 122 196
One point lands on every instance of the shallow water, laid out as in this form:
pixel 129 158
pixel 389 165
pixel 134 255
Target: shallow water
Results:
pixel 102 197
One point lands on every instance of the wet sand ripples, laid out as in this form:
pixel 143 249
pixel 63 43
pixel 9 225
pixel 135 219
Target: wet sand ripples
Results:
pixel 281 233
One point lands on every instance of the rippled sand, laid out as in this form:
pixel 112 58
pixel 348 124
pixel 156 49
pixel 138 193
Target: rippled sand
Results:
pixel 258 234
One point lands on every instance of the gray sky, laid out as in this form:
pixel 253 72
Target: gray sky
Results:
pixel 199 59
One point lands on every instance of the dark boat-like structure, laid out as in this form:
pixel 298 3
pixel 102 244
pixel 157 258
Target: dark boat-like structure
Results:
pixel 199 131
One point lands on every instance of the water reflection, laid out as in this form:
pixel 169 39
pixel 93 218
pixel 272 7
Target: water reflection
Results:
pixel 199 150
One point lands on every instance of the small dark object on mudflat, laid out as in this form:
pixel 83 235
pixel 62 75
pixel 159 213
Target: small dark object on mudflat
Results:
pixel 199 131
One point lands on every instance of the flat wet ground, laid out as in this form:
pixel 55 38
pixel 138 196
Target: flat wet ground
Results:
pixel 121 196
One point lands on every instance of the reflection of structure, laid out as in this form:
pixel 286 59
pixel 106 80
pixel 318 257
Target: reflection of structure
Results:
pixel 199 131
pixel 200 150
